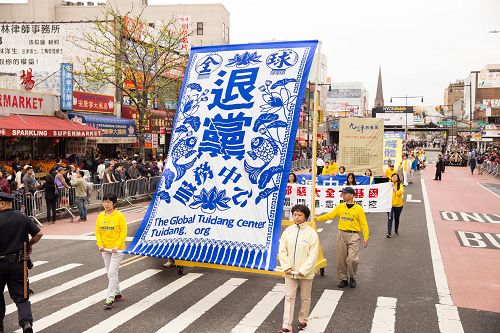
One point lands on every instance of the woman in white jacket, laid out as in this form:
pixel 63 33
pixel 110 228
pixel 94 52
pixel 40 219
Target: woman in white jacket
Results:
pixel 298 253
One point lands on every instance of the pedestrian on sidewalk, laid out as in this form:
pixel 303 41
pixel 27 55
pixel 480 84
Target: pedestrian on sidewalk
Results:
pixel 298 253
pixel 51 195
pixel 110 233
pixel 352 221
pixel 81 187
pixel 397 206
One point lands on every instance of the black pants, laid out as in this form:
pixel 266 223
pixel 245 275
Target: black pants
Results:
pixel 12 275
pixel 51 209
pixel 394 214
pixel 438 174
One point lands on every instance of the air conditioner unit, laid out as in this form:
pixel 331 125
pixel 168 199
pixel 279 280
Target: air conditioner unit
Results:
pixel 90 3
pixel 79 3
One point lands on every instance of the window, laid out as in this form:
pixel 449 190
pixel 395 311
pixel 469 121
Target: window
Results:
pixel 199 28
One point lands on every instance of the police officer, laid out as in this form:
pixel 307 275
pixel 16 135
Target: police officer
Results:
pixel 15 246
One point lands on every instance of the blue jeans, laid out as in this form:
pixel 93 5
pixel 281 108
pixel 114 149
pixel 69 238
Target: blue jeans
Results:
pixel 82 209
pixel 393 214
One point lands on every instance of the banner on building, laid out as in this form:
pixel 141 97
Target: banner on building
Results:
pixel 393 147
pixel 23 102
pixel 361 144
pixel 374 198
pixel 66 99
pixel 88 102
pixel 222 191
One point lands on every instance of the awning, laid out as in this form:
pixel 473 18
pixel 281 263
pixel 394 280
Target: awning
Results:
pixel 17 125
pixel 109 125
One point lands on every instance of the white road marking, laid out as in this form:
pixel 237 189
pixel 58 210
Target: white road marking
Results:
pixel 451 322
pixel 329 221
pixel 487 189
pixel 251 322
pixel 137 308
pixel 384 318
pixel 320 229
pixel 206 303
pixel 50 273
pixel 39 263
pixel 323 311
pixel 76 307
pixel 40 296
pixel 409 199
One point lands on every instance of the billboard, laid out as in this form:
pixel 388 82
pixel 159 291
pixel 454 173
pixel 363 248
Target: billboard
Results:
pixel 41 47
pixel 488 80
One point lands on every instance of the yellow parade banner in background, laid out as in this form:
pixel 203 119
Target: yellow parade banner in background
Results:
pixel 393 148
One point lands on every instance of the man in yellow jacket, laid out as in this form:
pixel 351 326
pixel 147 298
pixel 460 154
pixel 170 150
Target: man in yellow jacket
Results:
pixel 298 253
pixel 110 234
pixel 352 221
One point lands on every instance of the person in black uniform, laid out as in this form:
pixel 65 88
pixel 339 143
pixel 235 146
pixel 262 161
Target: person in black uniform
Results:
pixel 15 246
pixel 439 167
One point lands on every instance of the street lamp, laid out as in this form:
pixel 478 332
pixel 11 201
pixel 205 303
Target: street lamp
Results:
pixel 406 97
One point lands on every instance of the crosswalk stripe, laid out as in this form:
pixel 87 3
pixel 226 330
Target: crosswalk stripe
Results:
pixel 251 322
pixel 196 311
pixel 70 310
pixel 50 273
pixel 329 221
pixel 59 289
pixel 384 318
pixel 320 229
pixel 323 311
pixel 39 263
pixel 123 316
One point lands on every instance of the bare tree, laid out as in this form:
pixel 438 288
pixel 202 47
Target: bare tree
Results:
pixel 143 61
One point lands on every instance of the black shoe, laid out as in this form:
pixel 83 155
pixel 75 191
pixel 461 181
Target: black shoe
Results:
pixel 27 327
pixel 388 236
pixel 352 283
pixel 343 284
pixel 396 233
pixel 302 326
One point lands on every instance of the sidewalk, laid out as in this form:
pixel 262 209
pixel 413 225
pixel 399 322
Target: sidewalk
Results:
pixel 467 220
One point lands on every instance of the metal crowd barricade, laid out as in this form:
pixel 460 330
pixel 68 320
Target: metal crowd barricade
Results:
pixel 116 188
pixel 94 196
pixel 34 205
pixel 136 188
pixel 65 201
pixel 152 184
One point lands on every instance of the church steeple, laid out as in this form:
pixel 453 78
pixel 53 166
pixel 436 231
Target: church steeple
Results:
pixel 379 99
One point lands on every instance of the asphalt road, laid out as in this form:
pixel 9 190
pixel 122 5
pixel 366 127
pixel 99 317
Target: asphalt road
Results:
pixel 396 289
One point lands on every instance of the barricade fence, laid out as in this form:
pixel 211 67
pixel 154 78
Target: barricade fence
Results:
pixel 34 204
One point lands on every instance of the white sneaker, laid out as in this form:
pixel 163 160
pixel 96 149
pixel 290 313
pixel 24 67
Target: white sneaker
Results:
pixel 169 263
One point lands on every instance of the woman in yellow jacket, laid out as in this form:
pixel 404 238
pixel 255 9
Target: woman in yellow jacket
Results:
pixel 397 205
pixel 298 253
pixel 110 234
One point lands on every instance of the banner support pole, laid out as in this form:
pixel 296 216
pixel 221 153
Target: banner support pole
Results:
pixel 315 140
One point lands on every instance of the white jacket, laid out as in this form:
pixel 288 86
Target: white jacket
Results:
pixel 299 249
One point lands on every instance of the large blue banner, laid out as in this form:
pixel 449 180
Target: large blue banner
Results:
pixel 221 194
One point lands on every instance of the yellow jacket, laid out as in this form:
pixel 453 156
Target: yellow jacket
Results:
pixel 334 167
pixel 397 196
pixel 299 249
pixel 389 173
pixel 327 170
pixel 111 230
pixel 349 218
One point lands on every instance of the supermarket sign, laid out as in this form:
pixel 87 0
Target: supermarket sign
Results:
pixel 21 102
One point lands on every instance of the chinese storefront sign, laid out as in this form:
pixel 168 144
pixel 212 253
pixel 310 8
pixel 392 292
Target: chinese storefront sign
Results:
pixel 27 79
pixel 184 22
pixel 87 102
pixel 66 99
pixel 221 194
pixel 374 198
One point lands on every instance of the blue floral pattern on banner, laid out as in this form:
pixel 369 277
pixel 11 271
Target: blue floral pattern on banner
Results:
pixel 222 190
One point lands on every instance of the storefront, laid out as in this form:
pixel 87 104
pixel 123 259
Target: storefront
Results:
pixel 118 134
pixel 157 129
pixel 30 131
